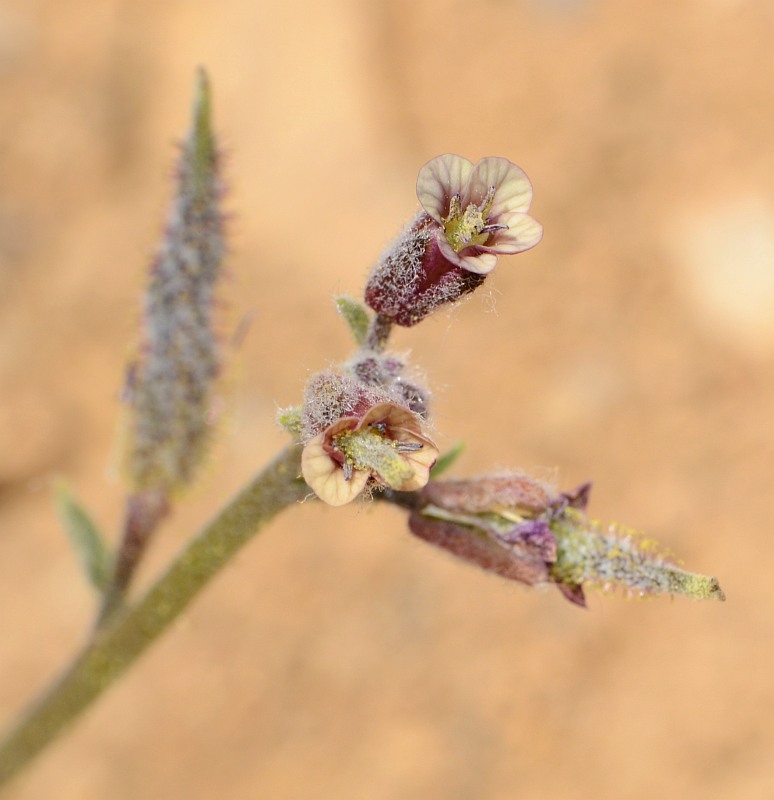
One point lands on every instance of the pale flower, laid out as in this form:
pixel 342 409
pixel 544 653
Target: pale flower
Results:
pixel 386 444
pixel 481 209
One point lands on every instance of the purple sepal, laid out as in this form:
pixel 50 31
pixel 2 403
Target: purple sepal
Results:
pixel 521 561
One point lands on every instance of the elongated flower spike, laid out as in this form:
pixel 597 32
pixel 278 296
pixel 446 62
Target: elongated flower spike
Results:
pixel 470 215
pixel 169 386
pixel 386 445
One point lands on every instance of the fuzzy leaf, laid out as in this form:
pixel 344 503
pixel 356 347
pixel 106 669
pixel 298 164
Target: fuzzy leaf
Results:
pixel 290 419
pixel 85 537
pixel 355 315
pixel 447 459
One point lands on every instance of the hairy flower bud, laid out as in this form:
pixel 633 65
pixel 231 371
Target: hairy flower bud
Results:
pixel 333 395
pixel 350 390
pixel 388 372
pixel 413 278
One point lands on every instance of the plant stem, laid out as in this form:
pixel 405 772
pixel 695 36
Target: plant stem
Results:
pixel 132 629
pixel 144 512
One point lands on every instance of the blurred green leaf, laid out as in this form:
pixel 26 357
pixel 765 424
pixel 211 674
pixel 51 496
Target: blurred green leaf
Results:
pixel 85 537
pixel 447 459
pixel 356 315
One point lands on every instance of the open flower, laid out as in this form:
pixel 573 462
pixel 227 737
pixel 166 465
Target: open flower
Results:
pixel 385 444
pixel 481 209
pixel 470 215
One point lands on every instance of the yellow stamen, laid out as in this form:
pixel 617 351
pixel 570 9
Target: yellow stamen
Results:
pixel 464 229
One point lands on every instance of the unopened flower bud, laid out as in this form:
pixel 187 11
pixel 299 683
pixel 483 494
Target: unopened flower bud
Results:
pixel 387 372
pixel 333 395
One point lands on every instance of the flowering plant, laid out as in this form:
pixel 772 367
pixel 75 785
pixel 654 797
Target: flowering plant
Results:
pixel 360 433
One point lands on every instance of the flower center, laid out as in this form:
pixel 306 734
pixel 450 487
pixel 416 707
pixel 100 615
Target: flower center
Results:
pixel 371 449
pixel 471 226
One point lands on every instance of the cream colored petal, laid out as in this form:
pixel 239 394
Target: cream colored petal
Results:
pixel 393 416
pixel 326 478
pixel 439 180
pixel 343 424
pixel 475 259
pixel 523 233
pixel 447 251
pixel 420 461
pixel 513 191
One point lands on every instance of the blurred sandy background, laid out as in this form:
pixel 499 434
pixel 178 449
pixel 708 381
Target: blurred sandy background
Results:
pixel 338 657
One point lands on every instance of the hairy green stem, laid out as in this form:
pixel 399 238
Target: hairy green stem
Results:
pixel 115 647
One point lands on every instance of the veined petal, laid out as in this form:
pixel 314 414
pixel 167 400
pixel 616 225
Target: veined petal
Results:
pixel 421 461
pixel 325 476
pixel 392 416
pixel 523 233
pixel 447 251
pixel 476 259
pixel 471 259
pixel 439 180
pixel 513 191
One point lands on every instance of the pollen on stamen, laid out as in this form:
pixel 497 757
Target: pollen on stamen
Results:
pixel 493 228
pixel 408 447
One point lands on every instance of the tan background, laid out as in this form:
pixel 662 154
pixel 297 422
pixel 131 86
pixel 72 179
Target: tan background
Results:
pixel 338 657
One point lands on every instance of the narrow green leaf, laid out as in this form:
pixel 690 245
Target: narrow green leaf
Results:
pixel 447 459
pixel 355 315
pixel 85 537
